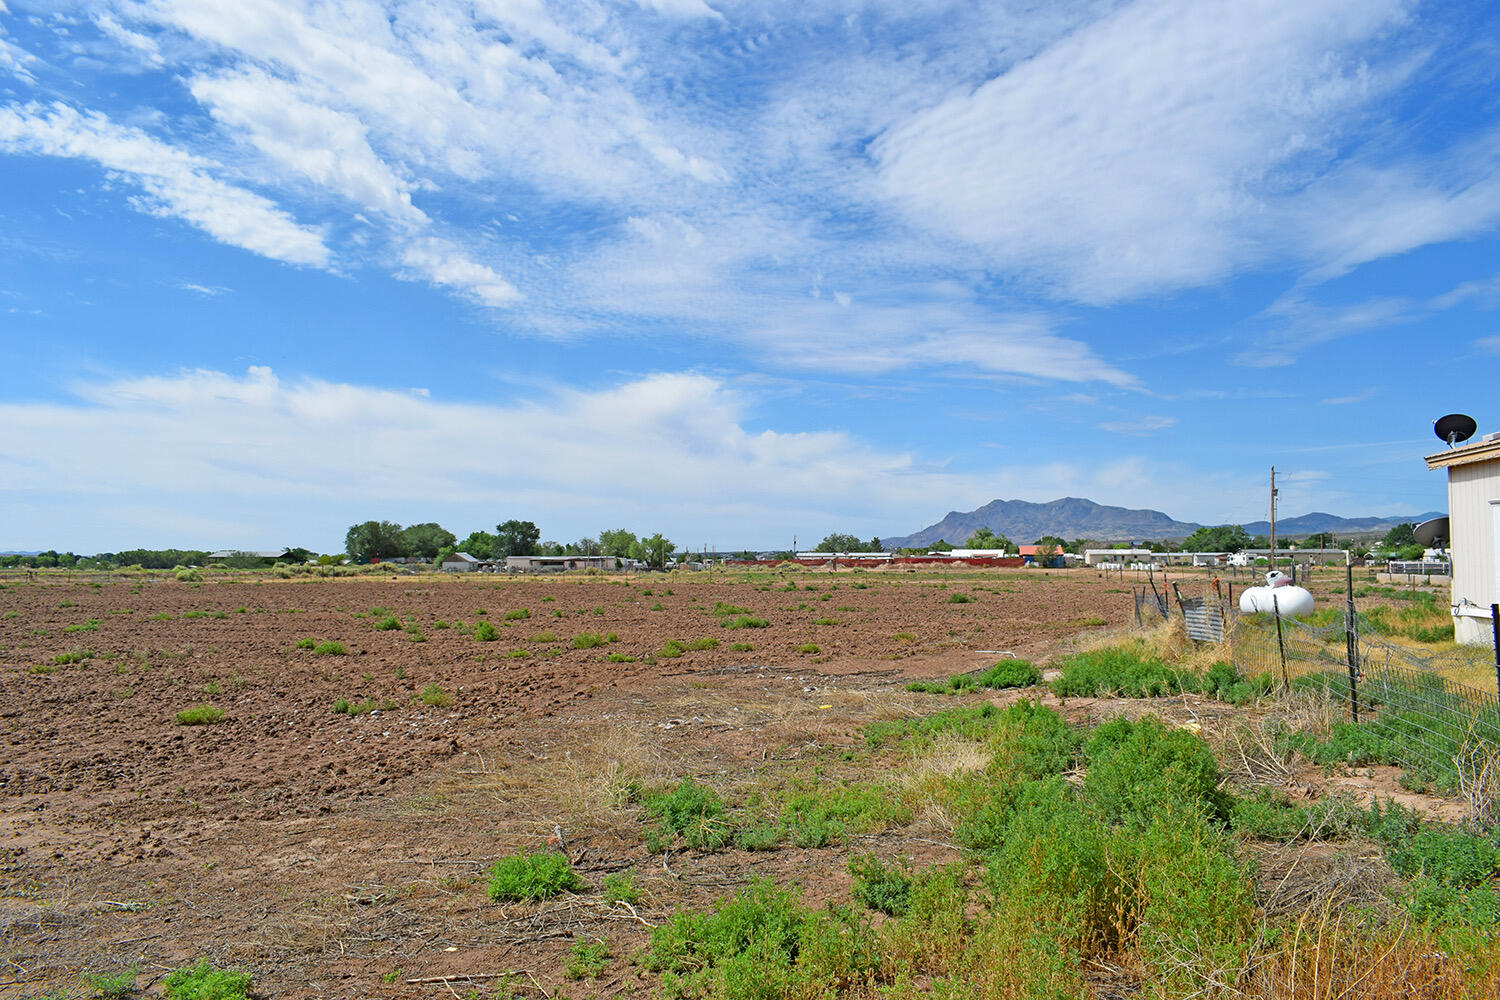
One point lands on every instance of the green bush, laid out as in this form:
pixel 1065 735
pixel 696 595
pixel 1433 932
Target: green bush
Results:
pixel 189 576
pixel 519 614
pixel 546 635
pixel 346 707
pixel 435 697
pixel 331 648
pixel 203 715
pixel 965 721
pixel 204 982
pixel 692 810
pixel 587 960
pixel 828 814
pixel 589 640
pixel 810 647
pixel 1010 674
pixel 741 647
pixel 706 642
pixel 745 621
pixel 306 643
pixel 671 650
pixel 620 887
pixel 886 888
pixel 532 876
pixel 721 609
pixel 388 624
pixel 1140 770
pixel 1121 670
pixel 961 599
pixel 121 984
pixel 763 944
pixel 485 632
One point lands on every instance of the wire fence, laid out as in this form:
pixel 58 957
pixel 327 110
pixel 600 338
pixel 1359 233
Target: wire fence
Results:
pixel 1424 702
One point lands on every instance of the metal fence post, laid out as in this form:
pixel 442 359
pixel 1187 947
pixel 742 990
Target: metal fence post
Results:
pixel 1286 682
pixel 1351 640
pixel 1495 627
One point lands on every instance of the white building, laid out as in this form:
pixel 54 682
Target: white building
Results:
pixel 1474 524
pixel 461 562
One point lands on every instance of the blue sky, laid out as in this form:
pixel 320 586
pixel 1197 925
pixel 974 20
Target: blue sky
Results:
pixel 733 272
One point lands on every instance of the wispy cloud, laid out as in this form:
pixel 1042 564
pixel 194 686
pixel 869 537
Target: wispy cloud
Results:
pixel 1147 424
pixel 172 182
pixel 1354 397
pixel 1491 344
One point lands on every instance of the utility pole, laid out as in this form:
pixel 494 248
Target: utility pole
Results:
pixel 1273 517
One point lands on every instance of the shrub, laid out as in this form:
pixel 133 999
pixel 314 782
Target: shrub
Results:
pixel 435 697
pixel 331 648
pixel 519 614
pixel 671 650
pixel 440 624
pixel 121 984
pixel 828 814
pixel 346 707
pixel 73 656
pixel 203 715
pixel 744 621
pixel 1449 857
pixel 519 654
pixel 620 887
pixel 1120 670
pixel 588 640
pixel 810 647
pixel 306 643
pixel 587 960
pixel 880 887
pixel 707 642
pixel 960 599
pixel 92 625
pixel 693 810
pixel 1009 674
pixel 825 621
pixel 761 944
pixel 547 635
pixel 485 632
pixel 532 876
pixel 722 610
pixel 388 624
pixel 620 658
pixel 189 576
pixel 204 982
pixel 1138 770
pixel 741 647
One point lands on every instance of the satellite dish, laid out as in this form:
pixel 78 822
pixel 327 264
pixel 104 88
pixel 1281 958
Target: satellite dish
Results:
pixel 1432 534
pixel 1455 427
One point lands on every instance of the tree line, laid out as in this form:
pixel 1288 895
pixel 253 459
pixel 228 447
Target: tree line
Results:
pixel 389 540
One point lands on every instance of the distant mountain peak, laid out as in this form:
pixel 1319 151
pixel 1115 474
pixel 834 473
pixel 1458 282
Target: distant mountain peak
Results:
pixel 1023 521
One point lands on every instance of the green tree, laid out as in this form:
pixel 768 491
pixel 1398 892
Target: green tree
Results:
pixel 875 545
pixel 619 543
pixel 1259 542
pixel 656 550
pixel 837 542
pixel 479 544
pixel 374 540
pixel 1058 545
pixel 516 538
pixel 427 540
pixel 1220 538
pixel 984 538
pixel 1400 535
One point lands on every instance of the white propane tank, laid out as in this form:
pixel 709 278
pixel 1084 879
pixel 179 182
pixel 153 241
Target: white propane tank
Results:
pixel 1292 601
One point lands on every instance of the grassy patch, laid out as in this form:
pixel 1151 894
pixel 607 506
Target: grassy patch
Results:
pixel 741 647
pixel 205 982
pixel 331 648
pixel 744 621
pixel 485 632
pixel 390 623
pixel 92 625
pixel 346 707
pixel 518 615
pixel 532 876
pixel 587 959
pixel 434 696
pixel 961 599
pixel 202 715
pixel 689 809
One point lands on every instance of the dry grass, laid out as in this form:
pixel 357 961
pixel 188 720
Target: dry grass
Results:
pixel 923 780
pixel 1324 956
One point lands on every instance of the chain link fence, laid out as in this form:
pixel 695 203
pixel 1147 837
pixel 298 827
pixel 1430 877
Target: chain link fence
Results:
pixel 1423 701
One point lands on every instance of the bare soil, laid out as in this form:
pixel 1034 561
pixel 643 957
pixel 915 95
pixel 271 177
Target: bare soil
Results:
pixel 338 855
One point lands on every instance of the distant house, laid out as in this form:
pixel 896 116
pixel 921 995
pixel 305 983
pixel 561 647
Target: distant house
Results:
pixel 271 555
pixel 461 562
pixel 559 564
pixel 1474 527
pixel 1042 555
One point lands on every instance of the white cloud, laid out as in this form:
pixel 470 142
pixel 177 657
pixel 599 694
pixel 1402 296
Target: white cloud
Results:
pixel 442 263
pixel 1146 151
pixel 1354 397
pixel 1490 344
pixel 328 147
pixel 1292 324
pixel 174 184
pixel 1146 424
pixel 254 460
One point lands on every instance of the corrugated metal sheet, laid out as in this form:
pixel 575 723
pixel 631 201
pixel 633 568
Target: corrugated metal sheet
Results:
pixel 1204 619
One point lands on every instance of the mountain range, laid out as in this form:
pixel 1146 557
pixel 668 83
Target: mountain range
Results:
pixel 1073 517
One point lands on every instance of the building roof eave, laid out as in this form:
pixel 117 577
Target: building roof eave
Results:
pixel 1487 450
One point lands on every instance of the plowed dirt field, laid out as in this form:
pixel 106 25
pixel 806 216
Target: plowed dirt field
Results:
pixel 344 854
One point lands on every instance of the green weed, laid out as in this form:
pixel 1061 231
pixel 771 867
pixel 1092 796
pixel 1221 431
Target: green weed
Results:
pixel 203 715
pixel 532 876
